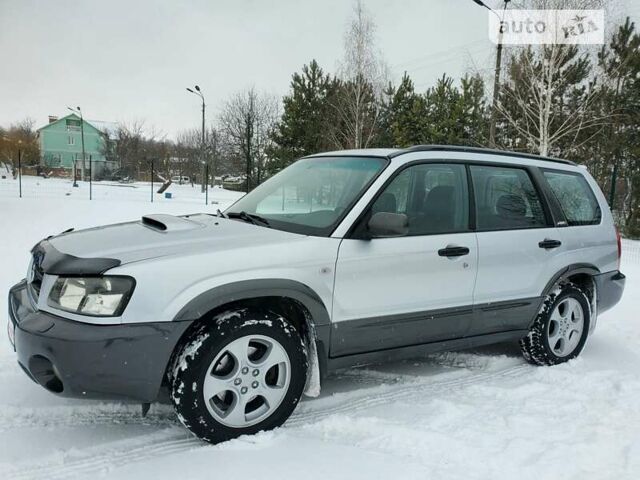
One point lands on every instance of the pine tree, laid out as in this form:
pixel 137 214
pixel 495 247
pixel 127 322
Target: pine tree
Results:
pixel 307 111
pixel 619 142
pixel 406 116
pixel 473 112
pixel 444 114
pixel 443 110
pixel 384 136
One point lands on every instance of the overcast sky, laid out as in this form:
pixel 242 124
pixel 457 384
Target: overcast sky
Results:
pixel 132 59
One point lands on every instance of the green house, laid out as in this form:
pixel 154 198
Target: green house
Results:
pixel 61 145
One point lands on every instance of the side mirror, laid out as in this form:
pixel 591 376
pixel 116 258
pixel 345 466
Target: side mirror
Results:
pixel 384 224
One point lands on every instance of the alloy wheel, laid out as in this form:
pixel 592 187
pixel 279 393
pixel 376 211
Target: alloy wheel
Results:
pixel 247 381
pixel 565 327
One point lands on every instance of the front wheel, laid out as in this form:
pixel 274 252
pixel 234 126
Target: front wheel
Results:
pixel 560 330
pixel 239 373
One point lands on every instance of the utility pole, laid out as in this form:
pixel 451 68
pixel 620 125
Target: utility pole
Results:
pixel 249 126
pixel 614 181
pixel 20 171
pixel 496 77
pixel 90 177
pixel 84 164
pixel 206 190
pixel 198 92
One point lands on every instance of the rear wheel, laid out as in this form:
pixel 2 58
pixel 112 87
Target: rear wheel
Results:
pixel 560 330
pixel 242 372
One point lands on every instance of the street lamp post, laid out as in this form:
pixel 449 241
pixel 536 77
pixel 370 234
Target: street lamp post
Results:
pixel 79 112
pixel 196 91
pixel 496 77
pixel 20 167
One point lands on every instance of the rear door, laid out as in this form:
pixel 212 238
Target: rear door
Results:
pixel 414 289
pixel 588 237
pixel 519 247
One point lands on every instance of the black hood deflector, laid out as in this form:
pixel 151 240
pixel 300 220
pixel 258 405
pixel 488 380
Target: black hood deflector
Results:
pixel 52 261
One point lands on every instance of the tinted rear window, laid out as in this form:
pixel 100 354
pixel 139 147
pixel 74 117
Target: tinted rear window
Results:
pixel 506 199
pixel 575 196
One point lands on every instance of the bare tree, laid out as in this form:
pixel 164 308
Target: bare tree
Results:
pixel 246 123
pixel 362 75
pixel 20 136
pixel 549 95
pixel 136 145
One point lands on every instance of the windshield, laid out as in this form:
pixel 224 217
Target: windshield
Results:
pixel 312 195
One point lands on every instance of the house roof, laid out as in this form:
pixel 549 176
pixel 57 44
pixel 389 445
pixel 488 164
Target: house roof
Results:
pixel 108 128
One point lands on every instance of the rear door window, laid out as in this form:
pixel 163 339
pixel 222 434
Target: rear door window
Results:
pixel 575 196
pixel 506 199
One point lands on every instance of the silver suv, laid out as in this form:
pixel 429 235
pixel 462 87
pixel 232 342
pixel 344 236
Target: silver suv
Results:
pixel 342 259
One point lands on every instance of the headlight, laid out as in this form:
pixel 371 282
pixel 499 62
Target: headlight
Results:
pixel 97 296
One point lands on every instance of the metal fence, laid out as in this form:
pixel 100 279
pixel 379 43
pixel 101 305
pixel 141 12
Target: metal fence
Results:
pixel 630 251
pixel 25 182
pixel 20 185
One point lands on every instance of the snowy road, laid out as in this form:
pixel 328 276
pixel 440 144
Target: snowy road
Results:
pixel 480 415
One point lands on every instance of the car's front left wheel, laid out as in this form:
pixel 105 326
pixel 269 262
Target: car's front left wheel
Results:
pixel 241 372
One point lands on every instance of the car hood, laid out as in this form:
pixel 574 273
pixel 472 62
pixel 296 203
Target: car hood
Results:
pixel 163 235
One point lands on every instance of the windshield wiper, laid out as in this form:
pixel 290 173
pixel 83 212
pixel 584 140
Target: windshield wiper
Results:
pixel 220 213
pixel 249 217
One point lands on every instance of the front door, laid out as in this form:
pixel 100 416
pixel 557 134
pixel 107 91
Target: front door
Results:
pixel 414 289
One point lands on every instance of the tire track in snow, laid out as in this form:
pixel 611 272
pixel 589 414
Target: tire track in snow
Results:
pixel 174 440
pixel 396 393
pixel 75 416
pixel 106 458
pixel 163 416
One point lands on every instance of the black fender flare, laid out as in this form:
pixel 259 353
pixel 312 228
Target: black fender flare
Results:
pixel 567 272
pixel 269 287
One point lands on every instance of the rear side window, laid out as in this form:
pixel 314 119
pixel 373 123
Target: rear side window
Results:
pixel 575 196
pixel 506 199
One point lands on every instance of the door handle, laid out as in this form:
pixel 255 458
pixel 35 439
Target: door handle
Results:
pixel 548 244
pixel 453 252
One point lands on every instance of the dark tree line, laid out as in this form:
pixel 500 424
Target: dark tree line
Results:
pixel 557 100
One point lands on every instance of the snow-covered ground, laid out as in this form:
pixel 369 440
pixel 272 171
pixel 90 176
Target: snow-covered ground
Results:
pixel 138 192
pixel 475 415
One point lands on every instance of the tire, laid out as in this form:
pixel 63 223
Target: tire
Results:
pixel 241 372
pixel 558 334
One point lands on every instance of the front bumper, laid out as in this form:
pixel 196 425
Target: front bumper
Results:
pixel 77 359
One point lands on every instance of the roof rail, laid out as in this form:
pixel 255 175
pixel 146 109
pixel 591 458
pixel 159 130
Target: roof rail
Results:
pixel 489 151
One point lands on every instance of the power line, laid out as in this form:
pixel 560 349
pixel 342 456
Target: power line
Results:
pixel 448 51
pixel 473 52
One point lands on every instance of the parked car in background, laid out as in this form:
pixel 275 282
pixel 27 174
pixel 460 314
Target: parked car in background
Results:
pixel 342 259
pixel 180 179
pixel 121 176
pixel 235 183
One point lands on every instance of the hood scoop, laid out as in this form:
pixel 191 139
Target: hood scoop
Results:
pixel 161 222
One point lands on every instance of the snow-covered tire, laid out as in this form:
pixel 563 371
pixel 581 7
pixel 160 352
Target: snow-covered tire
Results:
pixel 258 362
pixel 541 345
